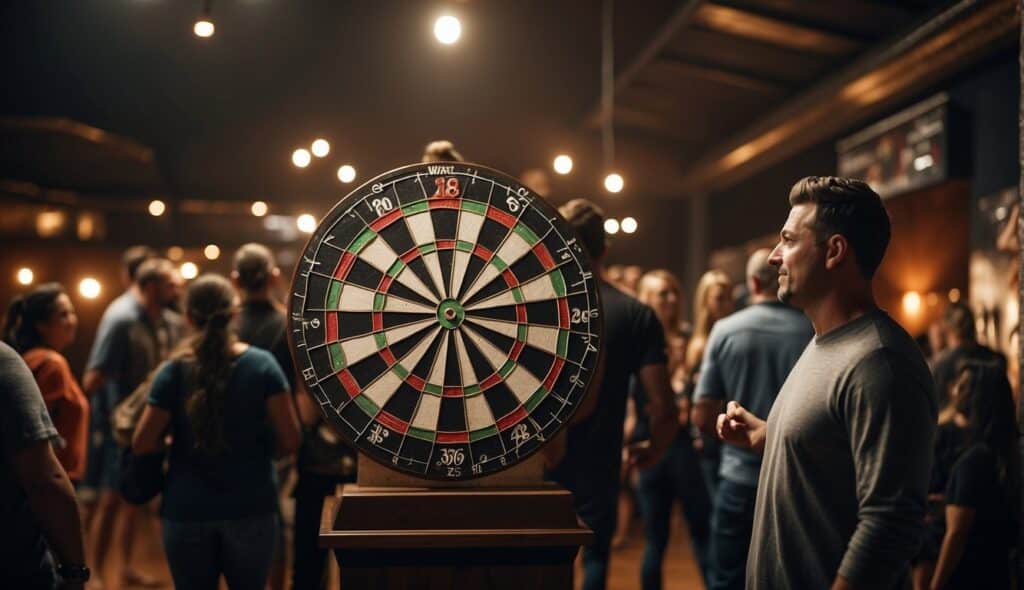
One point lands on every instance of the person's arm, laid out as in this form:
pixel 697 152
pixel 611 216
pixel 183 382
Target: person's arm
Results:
pixel 51 499
pixel 959 520
pixel 889 421
pixel 149 433
pixel 284 423
pixel 739 427
pixel 705 414
pixel 93 380
pixel 309 413
pixel 710 392
pixel 661 413
pixel 109 346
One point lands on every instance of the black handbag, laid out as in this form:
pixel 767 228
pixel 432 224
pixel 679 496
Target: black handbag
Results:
pixel 142 476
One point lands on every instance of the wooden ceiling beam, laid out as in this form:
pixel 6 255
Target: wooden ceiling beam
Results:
pixel 662 38
pixel 776 31
pixel 936 49
pixel 119 146
pixel 676 66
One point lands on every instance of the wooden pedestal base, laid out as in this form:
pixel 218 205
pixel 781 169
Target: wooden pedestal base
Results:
pixel 422 538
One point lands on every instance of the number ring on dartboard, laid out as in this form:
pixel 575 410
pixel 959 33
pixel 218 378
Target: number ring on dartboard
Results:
pixel 446 320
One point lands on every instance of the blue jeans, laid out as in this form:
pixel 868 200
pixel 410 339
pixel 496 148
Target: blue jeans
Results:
pixel 677 476
pixel 732 523
pixel 199 552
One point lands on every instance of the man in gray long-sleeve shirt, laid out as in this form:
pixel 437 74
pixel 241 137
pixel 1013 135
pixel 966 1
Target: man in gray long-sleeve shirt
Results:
pixel 848 443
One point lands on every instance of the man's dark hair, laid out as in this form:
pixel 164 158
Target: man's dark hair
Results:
pixel 588 221
pixel 152 270
pixel 848 207
pixel 441 151
pixel 254 264
pixel 959 319
pixel 133 258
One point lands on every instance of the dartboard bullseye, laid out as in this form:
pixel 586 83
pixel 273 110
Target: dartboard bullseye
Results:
pixel 445 319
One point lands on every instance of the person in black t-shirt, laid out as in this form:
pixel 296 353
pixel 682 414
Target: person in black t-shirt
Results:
pixel 633 344
pixel 962 344
pixel 983 493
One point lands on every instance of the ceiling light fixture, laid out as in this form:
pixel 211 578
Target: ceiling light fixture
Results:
pixel 301 158
pixel 447 29
pixel 346 174
pixel 320 148
pixel 563 164
pixel 204 28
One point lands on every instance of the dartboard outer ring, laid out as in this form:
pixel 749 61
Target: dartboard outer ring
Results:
pixel 446 320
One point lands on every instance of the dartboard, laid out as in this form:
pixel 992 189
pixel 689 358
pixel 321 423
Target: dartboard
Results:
pixel 446 320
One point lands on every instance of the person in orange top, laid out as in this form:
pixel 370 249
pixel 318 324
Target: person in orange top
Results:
pixel 40 324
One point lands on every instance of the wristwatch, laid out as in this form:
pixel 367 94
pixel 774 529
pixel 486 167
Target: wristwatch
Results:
pixel 73 573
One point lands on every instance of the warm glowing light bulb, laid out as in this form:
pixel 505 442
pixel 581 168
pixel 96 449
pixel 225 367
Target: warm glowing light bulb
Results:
pixel 89 288
pixel 306 223
pixel 321 148
pixel 613 183
pixel 211 252
pixel 189 270
pixel 175 253
pixel 563 164
pixel 25 276
pixel 259 208
pixel 912 302
pixel 954 295
pixel 447 29
pixel 346 173
pixel 611 226
pixel 157 208
pixel 301 158
pixel 628 225
pixel 203 28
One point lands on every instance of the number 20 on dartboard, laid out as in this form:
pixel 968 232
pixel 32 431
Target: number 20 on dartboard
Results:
pixel 447 187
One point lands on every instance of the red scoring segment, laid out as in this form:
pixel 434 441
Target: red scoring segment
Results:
pixel 386 220
pixel 512 418
pixel 392 422
pixel 501 217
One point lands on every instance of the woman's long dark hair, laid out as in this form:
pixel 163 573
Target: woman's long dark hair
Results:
pixel 987 402
pixel 26 312
pixel 210 303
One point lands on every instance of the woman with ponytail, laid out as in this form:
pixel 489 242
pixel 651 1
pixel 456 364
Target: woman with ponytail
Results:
pixel 227 409
pixel 39 325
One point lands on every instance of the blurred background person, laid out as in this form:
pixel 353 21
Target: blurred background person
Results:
pixel 677 476
pixel 226 406
pixel 712 301
pixel 41 522
pixel 261 322
pixel 40 325
pixel 631 278
pixel 747 359
pixel 441 150
pixel 962 344
pixel 983 494
pixel 136 333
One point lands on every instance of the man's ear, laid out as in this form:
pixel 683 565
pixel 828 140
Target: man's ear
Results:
pixel 837 250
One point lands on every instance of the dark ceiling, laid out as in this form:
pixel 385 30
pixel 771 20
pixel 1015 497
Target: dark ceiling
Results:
pixel 700 86
pixel 224 114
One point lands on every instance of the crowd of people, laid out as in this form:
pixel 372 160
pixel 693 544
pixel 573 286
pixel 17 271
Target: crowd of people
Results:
pixel 209 370
pixel 808 439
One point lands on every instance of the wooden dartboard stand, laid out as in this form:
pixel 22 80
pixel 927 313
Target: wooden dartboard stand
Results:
pixel 511 530
pixel 446 319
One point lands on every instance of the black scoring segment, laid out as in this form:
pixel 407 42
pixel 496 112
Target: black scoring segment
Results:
pixel 446 223
pixel 398 237
pixel 368 370
pixel 357 323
